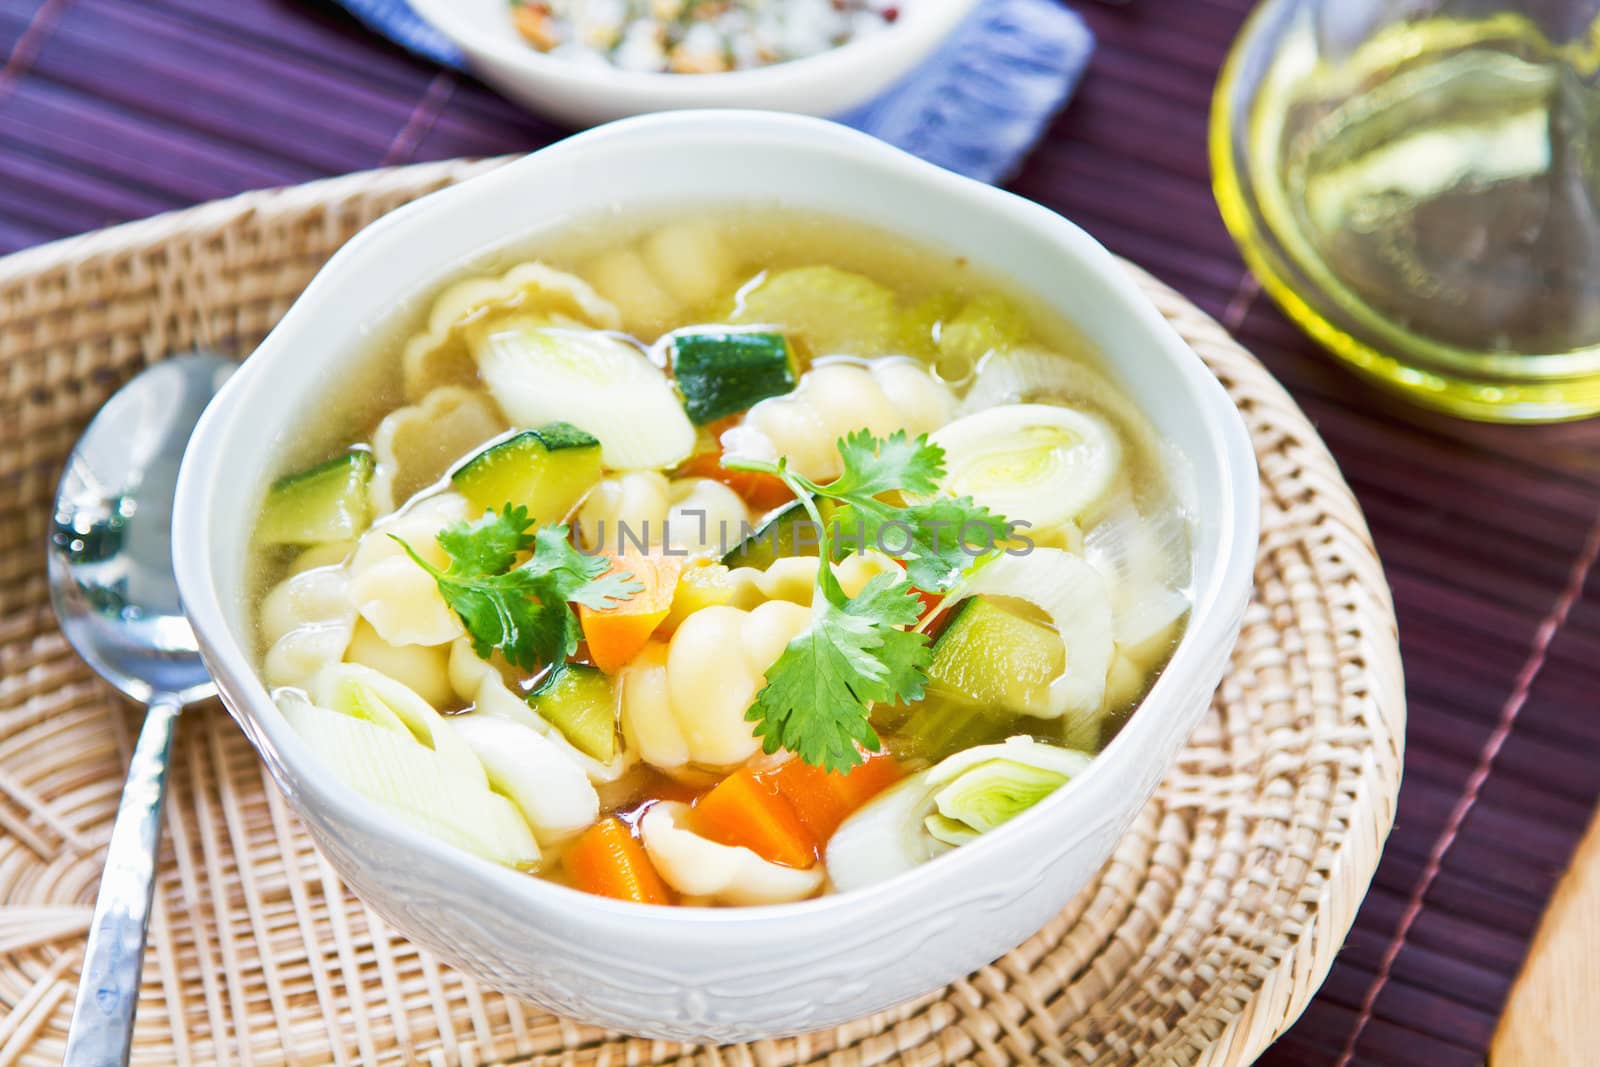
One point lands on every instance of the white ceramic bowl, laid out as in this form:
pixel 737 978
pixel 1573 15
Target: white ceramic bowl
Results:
pixel 829 83
pixel 701 973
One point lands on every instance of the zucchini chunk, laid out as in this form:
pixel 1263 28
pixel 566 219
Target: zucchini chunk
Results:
pixel 724 372
pixel 547 470
pixel 993 657
pixel 786 532
pixel 324 503
pixel 991 667
pixel 581 702
pixel 943 725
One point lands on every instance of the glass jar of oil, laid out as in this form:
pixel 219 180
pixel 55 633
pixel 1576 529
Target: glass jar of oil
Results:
pixel 1417 183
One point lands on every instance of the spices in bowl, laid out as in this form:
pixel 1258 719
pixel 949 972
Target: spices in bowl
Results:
pixel 696 36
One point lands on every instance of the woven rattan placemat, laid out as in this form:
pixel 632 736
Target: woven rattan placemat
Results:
pixel 1199 942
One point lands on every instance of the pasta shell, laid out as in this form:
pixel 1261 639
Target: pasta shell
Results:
pixel 720 874
pixel 684 701
pixel 438 357
pixel 306 623
pixel 837 398
pixel 399 599
pixel 416 445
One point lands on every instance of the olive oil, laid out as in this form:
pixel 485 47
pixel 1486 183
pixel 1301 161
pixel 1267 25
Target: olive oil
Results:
pixel 1426 202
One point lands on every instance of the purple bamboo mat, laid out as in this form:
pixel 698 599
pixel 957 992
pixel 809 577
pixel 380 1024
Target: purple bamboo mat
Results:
pixel 114 109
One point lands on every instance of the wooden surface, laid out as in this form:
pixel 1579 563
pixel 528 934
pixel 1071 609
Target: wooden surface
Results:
pixel 1553 1015
pixel 113 109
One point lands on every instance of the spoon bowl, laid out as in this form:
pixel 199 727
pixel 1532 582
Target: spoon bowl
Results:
pixel 110 558
pixel 114 593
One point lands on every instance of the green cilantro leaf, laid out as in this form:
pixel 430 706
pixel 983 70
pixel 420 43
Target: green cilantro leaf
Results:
pixel 938 541
pixel 862 650
pixel 562 573
pixel 819 695
pixel 524 611
pixel 875 465
pixel 904 653
pixel 490 545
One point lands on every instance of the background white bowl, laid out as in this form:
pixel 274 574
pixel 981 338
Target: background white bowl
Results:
pixel 579 94
pixel 704 974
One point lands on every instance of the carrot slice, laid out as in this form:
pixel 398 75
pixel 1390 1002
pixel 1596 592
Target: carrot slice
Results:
pixel 607 861
pixel 615 635
pixel 744 810
pixel 761 491
pixel 823 800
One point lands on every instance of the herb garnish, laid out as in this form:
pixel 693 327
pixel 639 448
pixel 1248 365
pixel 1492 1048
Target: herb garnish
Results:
pixel 523 611
pixel 859 650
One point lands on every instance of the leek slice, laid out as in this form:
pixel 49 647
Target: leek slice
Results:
pixel 946 806
pixel 549 787
pixel 481 683
pixel 1027 374
pixel 987 796
pixel 1145 560
pixel 1067 761
pixel 541 374
pixel 984 787
pixel 363 693
pixel 435 357
pixel 1073 596
pixel 1046 464
pixel 390 768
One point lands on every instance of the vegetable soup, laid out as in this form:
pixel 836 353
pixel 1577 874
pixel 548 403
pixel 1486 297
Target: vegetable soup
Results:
pixel 554 592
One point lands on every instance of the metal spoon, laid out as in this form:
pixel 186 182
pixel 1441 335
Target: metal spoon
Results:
pixel 112 585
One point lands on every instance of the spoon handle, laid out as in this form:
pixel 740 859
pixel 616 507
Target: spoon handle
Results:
pixel 108 992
